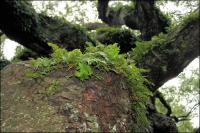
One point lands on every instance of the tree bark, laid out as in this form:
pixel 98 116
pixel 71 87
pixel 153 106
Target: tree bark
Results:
pixel 167 60
pixel 21 23
pixel 144 17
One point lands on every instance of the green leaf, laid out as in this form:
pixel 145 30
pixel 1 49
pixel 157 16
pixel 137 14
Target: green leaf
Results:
pixel 74 56
pixel 83 71
pixel 112 51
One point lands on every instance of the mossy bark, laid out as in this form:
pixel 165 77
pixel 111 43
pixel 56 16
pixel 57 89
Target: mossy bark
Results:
pixel 21 23
pixel 95 105
pixel 144 16
pixel 33 30
pixel 123 37
pixel 167 60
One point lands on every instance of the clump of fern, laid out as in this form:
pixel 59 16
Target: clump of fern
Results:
pixel 101 57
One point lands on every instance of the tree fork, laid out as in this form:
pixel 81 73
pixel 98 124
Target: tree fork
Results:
pixel 144 17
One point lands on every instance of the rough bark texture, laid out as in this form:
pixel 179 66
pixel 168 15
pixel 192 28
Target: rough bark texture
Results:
pixel 144 17
pixel 160 123
pixel 90 106
pixel 167 60
pixel 20 22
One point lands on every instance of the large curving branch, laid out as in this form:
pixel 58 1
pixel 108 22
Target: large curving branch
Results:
pixel 21 23
pixel 147 18
pixel 144 17
pixel 167 60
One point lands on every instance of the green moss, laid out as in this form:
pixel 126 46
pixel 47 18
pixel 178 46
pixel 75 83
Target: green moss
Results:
pixel 98 76
pixel 184 21
pixel 100 57
pixel 73 35
pixel 25 10
pixel 32 74
pixel 142 47
pixel 107 29
pixel 42 66
pixel 53 88
pixel 124 37
pixel 191 17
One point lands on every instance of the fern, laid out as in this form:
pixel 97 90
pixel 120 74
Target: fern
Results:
pixel 83 71
pixel 101 57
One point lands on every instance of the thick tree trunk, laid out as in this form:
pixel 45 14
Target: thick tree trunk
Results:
pixel 90 106
pixel 21 23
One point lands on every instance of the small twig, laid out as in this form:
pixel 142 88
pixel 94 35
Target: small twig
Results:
pixel 184 117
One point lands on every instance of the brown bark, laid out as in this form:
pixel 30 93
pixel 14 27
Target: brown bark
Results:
pixel 90 106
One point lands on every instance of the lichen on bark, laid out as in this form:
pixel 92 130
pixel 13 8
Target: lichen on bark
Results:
pixel 94 105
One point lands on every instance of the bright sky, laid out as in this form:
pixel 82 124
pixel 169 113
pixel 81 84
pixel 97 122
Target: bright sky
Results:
pixel 9 45
pixel 9 48
pixel 175 82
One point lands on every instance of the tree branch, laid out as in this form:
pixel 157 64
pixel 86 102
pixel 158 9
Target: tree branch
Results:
pixel 147 18
pixel 180 47
pixel 34 30
pixel 94 26
pixel 21 23
pixel 184 117
pixel 102 8
pixel 144 17
pixel 159 95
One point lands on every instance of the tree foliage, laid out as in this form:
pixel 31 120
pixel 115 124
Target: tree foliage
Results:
pixel 183 100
